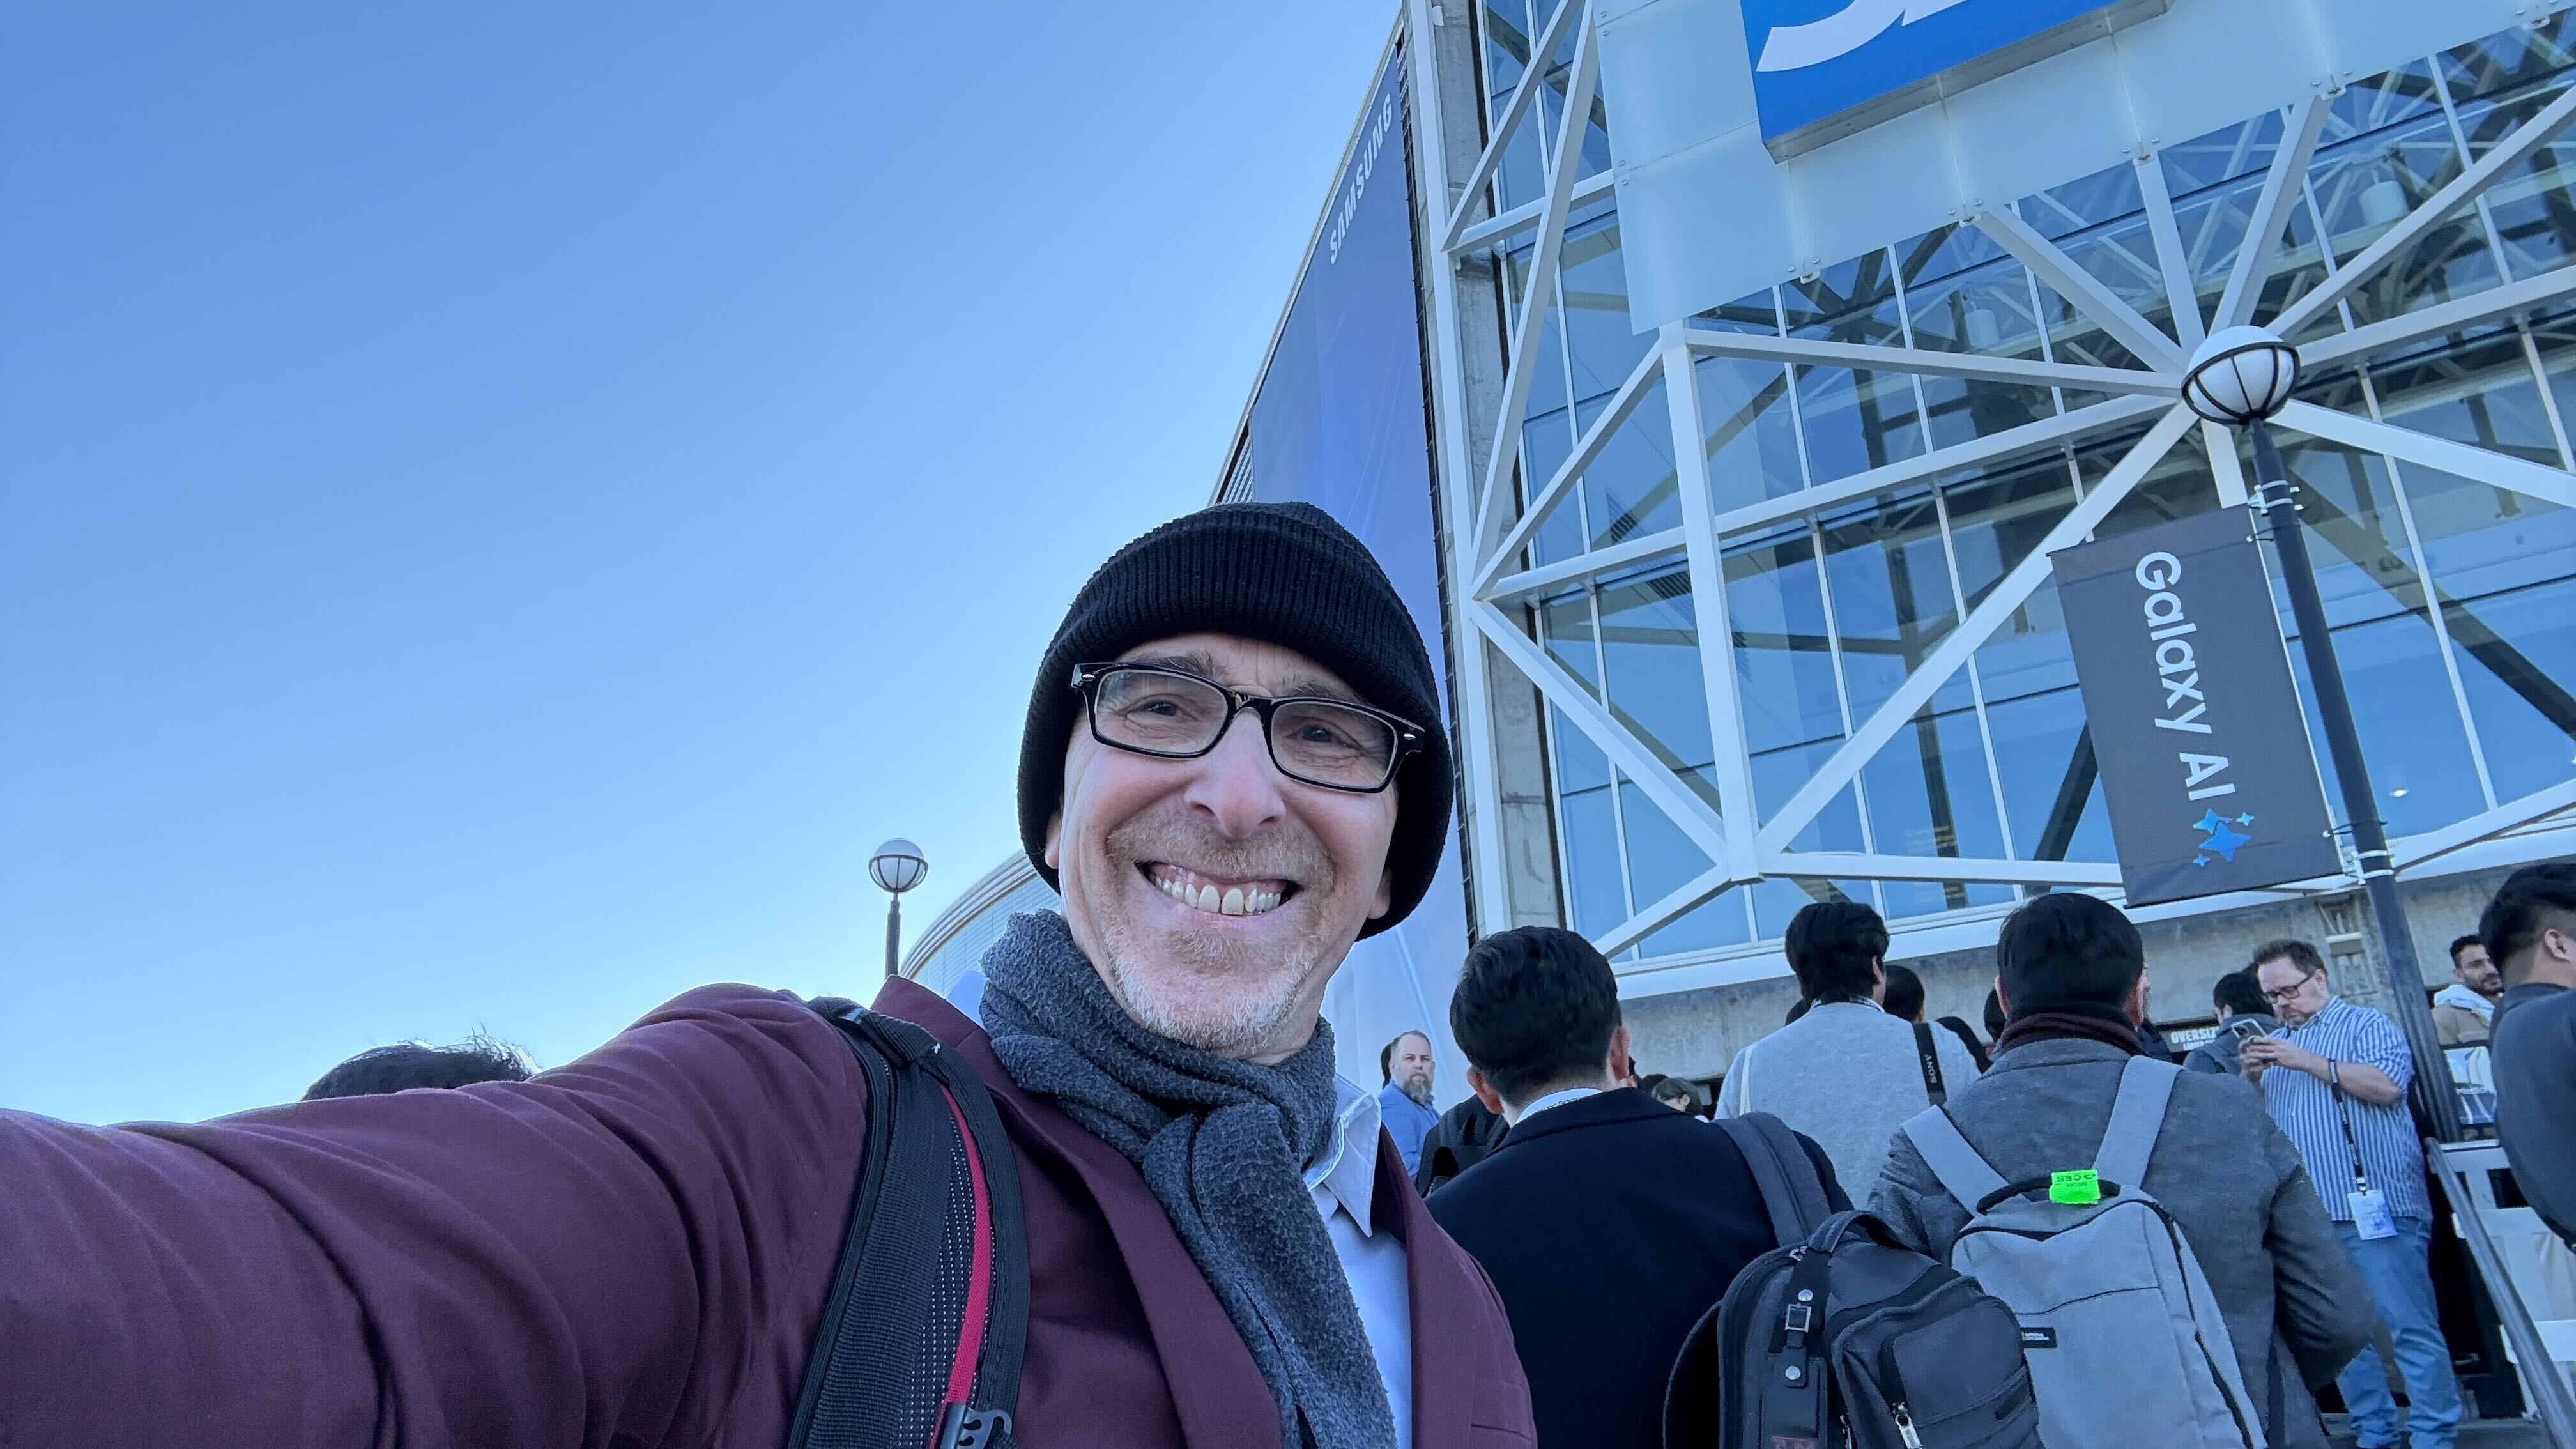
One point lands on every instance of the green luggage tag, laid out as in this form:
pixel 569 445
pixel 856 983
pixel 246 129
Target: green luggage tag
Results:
pixel 2076 1189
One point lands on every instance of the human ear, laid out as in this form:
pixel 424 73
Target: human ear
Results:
pixel 1384 901
pixel 1484 1091
pixel 1054 851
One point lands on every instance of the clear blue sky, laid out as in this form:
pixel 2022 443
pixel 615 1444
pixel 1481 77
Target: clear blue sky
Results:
pixel 503 506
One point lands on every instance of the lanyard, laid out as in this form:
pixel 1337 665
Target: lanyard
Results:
pixel 2343 1111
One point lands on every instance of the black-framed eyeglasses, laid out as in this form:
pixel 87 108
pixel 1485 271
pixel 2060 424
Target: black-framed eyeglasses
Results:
pixel 2285 993
pixel 1172 714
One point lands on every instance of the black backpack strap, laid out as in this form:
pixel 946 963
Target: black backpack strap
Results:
pixel 922 1336
pixel 1931 1059
pixel 1792 1194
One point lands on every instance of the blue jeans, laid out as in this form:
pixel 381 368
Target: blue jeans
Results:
pixel 2401 1284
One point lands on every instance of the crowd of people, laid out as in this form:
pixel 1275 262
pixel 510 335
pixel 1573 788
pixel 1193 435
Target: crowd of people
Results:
pixel 1144 1210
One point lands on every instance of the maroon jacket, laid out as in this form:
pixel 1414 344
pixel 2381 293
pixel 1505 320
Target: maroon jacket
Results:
pixel 629 1251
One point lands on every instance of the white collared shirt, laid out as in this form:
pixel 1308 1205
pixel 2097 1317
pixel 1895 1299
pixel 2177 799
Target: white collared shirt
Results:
pixel 1555 1099
pixel 1343 1179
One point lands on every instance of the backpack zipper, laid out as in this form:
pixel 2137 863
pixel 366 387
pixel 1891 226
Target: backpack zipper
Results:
pixel 1905 1426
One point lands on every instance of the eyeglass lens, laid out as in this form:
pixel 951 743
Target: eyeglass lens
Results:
pixel 2284 993
pixel 1173 714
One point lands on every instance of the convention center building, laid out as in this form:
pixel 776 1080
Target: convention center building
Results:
pixel 1716 377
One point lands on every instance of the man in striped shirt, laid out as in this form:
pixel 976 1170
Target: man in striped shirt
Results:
pixel 2335 1077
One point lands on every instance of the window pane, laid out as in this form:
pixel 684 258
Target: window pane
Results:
pixel 1604 346
pixel 1593 891
pixel 1752 441
pixel 1565 626
pixel 2223 155
pixel 1778 774
pixel 1997 521
pixel 1929 795
pixel 2364 566
pixel 2479 392
pixel 1546 442
pixel 1784 666
pixel 2052 790
pixel 1650 642
pixel 2410 731
pixel 2517 656
pixel 1717 922
pixel 2176 487
pixel 1662 860
pixel 1580 765
pixel 1630 488
pixel 2366 186
pixel 1987 312
pixel 1855 420
pixel 1891 596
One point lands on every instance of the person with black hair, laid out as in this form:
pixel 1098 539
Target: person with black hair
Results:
pixel 1849 1072
pixel 2242 1014
pixel 2530 931
pixel 2069 968
pixel 408 1064
pixel 1676 1093
pixel 2464 1010
pixel 1600 1195
pixel 1904 995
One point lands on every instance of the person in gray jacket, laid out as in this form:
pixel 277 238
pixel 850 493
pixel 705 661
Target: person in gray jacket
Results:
pixel 2068 972
pixel 2243 1011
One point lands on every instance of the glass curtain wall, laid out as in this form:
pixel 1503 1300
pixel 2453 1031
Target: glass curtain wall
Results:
pixel 2453 601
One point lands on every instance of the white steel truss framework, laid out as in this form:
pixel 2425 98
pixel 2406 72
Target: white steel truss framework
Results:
pixel 1493 513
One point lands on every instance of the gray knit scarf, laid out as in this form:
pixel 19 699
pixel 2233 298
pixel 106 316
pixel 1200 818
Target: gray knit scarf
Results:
pixel 1222 1145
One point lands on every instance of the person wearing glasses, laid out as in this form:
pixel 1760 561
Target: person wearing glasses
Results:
pixel 2335 1076
pixel 1231 769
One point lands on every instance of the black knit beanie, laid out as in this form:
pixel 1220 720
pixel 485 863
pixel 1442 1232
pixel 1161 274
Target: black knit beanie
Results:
pixel 1282 573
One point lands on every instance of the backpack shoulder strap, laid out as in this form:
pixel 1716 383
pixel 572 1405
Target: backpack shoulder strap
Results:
pixel 1964 1175
pixel 1792 1194
pixel 922 1336
pixel 1930 1056
pixel 2137 1115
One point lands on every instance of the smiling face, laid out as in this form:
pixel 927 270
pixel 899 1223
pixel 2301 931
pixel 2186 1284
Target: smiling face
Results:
pixel 1216 896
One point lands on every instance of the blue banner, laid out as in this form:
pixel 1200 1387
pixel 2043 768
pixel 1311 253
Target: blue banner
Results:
pixel 1817 59
pixel 1340 422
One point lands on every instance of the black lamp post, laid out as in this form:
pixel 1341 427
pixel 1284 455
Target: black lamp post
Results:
pixel 897 867
pixel 2241 377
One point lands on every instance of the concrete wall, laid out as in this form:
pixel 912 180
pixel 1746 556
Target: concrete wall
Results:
pixel 1696 1033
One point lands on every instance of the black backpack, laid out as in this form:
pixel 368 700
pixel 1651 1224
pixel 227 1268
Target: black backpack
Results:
pixel 920 1341
pixel 1842 1337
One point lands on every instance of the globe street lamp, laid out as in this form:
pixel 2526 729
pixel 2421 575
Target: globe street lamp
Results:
pixel 897 867
pixel 2242 377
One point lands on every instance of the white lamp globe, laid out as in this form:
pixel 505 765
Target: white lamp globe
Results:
pixel 2240 375
pixel 898 866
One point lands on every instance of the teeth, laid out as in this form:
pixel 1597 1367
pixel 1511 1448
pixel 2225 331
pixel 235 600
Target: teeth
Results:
pixel 1230 901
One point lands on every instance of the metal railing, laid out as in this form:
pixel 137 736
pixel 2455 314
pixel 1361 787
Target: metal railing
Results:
pixel 2543 1386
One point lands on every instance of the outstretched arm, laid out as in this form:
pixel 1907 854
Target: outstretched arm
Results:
pixel 627 1248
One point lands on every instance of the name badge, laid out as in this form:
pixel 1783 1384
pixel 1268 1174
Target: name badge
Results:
pixel 2370 1219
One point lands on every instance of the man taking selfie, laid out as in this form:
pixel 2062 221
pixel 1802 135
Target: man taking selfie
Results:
pixel 1232 767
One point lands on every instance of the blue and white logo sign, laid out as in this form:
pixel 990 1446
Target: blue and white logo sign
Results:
pixel 1819 61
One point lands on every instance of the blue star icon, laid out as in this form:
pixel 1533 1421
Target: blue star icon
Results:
pixel 2225 842
pixel 2210 822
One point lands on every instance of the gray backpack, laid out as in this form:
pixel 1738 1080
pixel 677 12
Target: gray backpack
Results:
pixel 2125 1342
